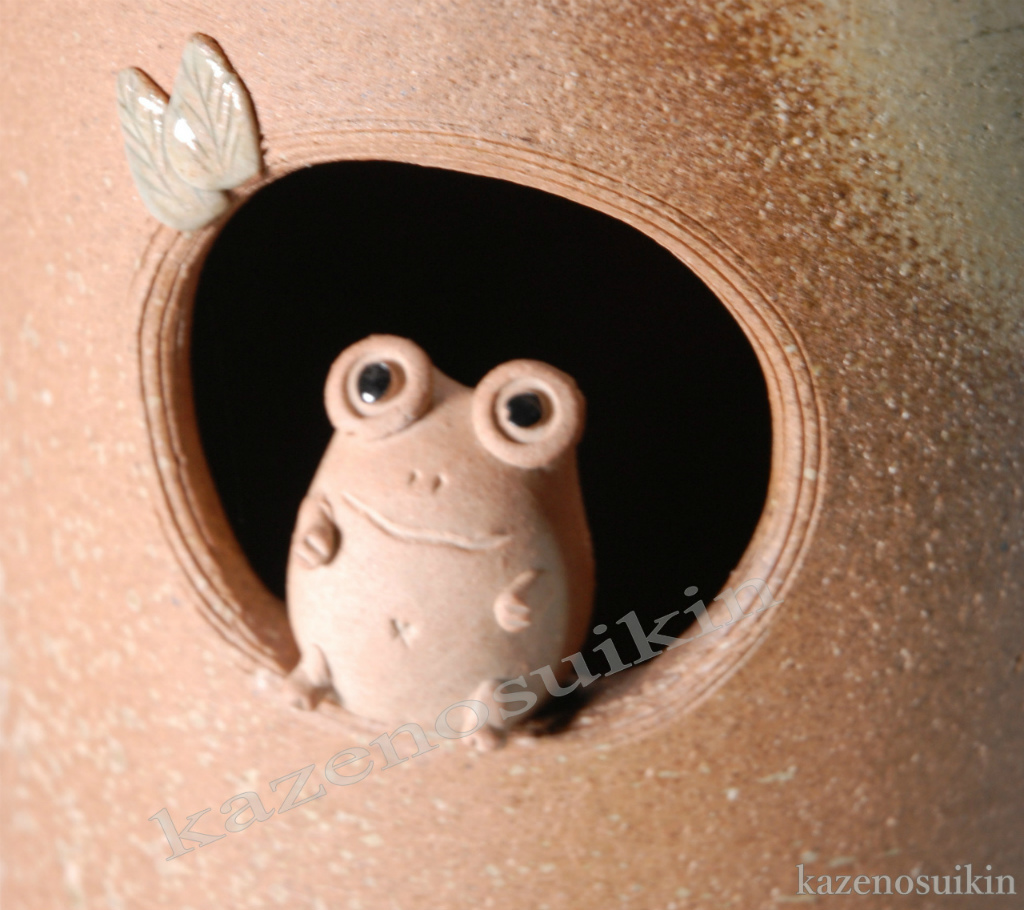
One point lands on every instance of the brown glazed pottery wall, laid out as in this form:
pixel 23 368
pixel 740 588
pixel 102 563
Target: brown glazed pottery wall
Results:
pixel 847 181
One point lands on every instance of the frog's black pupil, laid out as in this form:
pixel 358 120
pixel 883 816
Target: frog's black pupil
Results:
pixel 374 381
pixel 524 410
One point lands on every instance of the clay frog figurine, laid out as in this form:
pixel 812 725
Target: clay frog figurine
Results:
pixel 442 549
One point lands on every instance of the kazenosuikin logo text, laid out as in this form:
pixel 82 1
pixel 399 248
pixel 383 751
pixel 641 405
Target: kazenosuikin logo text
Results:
pixel 964 881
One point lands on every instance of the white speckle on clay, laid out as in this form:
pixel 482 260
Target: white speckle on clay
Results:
pixel 25 822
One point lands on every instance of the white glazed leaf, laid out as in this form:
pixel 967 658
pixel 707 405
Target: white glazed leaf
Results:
pixel 142 107
pixel 212 140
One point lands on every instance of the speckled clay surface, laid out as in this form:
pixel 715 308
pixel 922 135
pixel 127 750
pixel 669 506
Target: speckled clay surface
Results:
pixel 859 166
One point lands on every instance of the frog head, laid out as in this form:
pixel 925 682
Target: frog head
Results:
pixel 429 460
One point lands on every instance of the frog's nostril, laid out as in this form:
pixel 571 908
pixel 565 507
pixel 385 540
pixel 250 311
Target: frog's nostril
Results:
pixel 436 481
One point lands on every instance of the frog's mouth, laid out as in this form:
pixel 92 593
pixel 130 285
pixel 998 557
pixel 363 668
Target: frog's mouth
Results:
pixel 425 535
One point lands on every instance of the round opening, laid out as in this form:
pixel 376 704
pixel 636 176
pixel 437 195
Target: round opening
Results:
pixel 702 452
pixel 676 453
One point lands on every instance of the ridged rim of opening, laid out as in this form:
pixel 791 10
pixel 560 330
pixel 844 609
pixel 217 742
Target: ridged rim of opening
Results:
pixel 254 622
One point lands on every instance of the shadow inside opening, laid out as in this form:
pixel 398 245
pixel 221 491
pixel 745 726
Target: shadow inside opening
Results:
pixel 675 458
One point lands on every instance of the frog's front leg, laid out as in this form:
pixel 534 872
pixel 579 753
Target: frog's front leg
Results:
pixel 315 543
pixel 317 537
pixel 310 680
pixel 510 607
pixel 493 734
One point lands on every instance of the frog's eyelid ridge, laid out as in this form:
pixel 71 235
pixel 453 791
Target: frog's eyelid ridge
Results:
pixel 535 446
pixel 378 419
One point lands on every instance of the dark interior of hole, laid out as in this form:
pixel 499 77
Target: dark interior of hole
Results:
pixel 477 271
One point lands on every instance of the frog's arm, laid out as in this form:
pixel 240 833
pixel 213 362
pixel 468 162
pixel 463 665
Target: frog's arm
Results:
pixel 310 680
pixel 510 608
pixel 317 537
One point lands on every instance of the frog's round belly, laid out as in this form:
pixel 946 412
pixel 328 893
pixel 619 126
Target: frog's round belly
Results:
pixel 409 628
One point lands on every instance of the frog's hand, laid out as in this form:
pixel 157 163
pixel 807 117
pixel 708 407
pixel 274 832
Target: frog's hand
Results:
pixel 317 538
pixel 510 608
pixel 493 734
pixel 309 681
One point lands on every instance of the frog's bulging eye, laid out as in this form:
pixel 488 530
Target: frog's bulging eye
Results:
pixel 374 382
pixel 378 386
pixel 527 413
pixel 525 409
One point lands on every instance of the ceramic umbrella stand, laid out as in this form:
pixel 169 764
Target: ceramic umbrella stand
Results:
pixel 840 706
